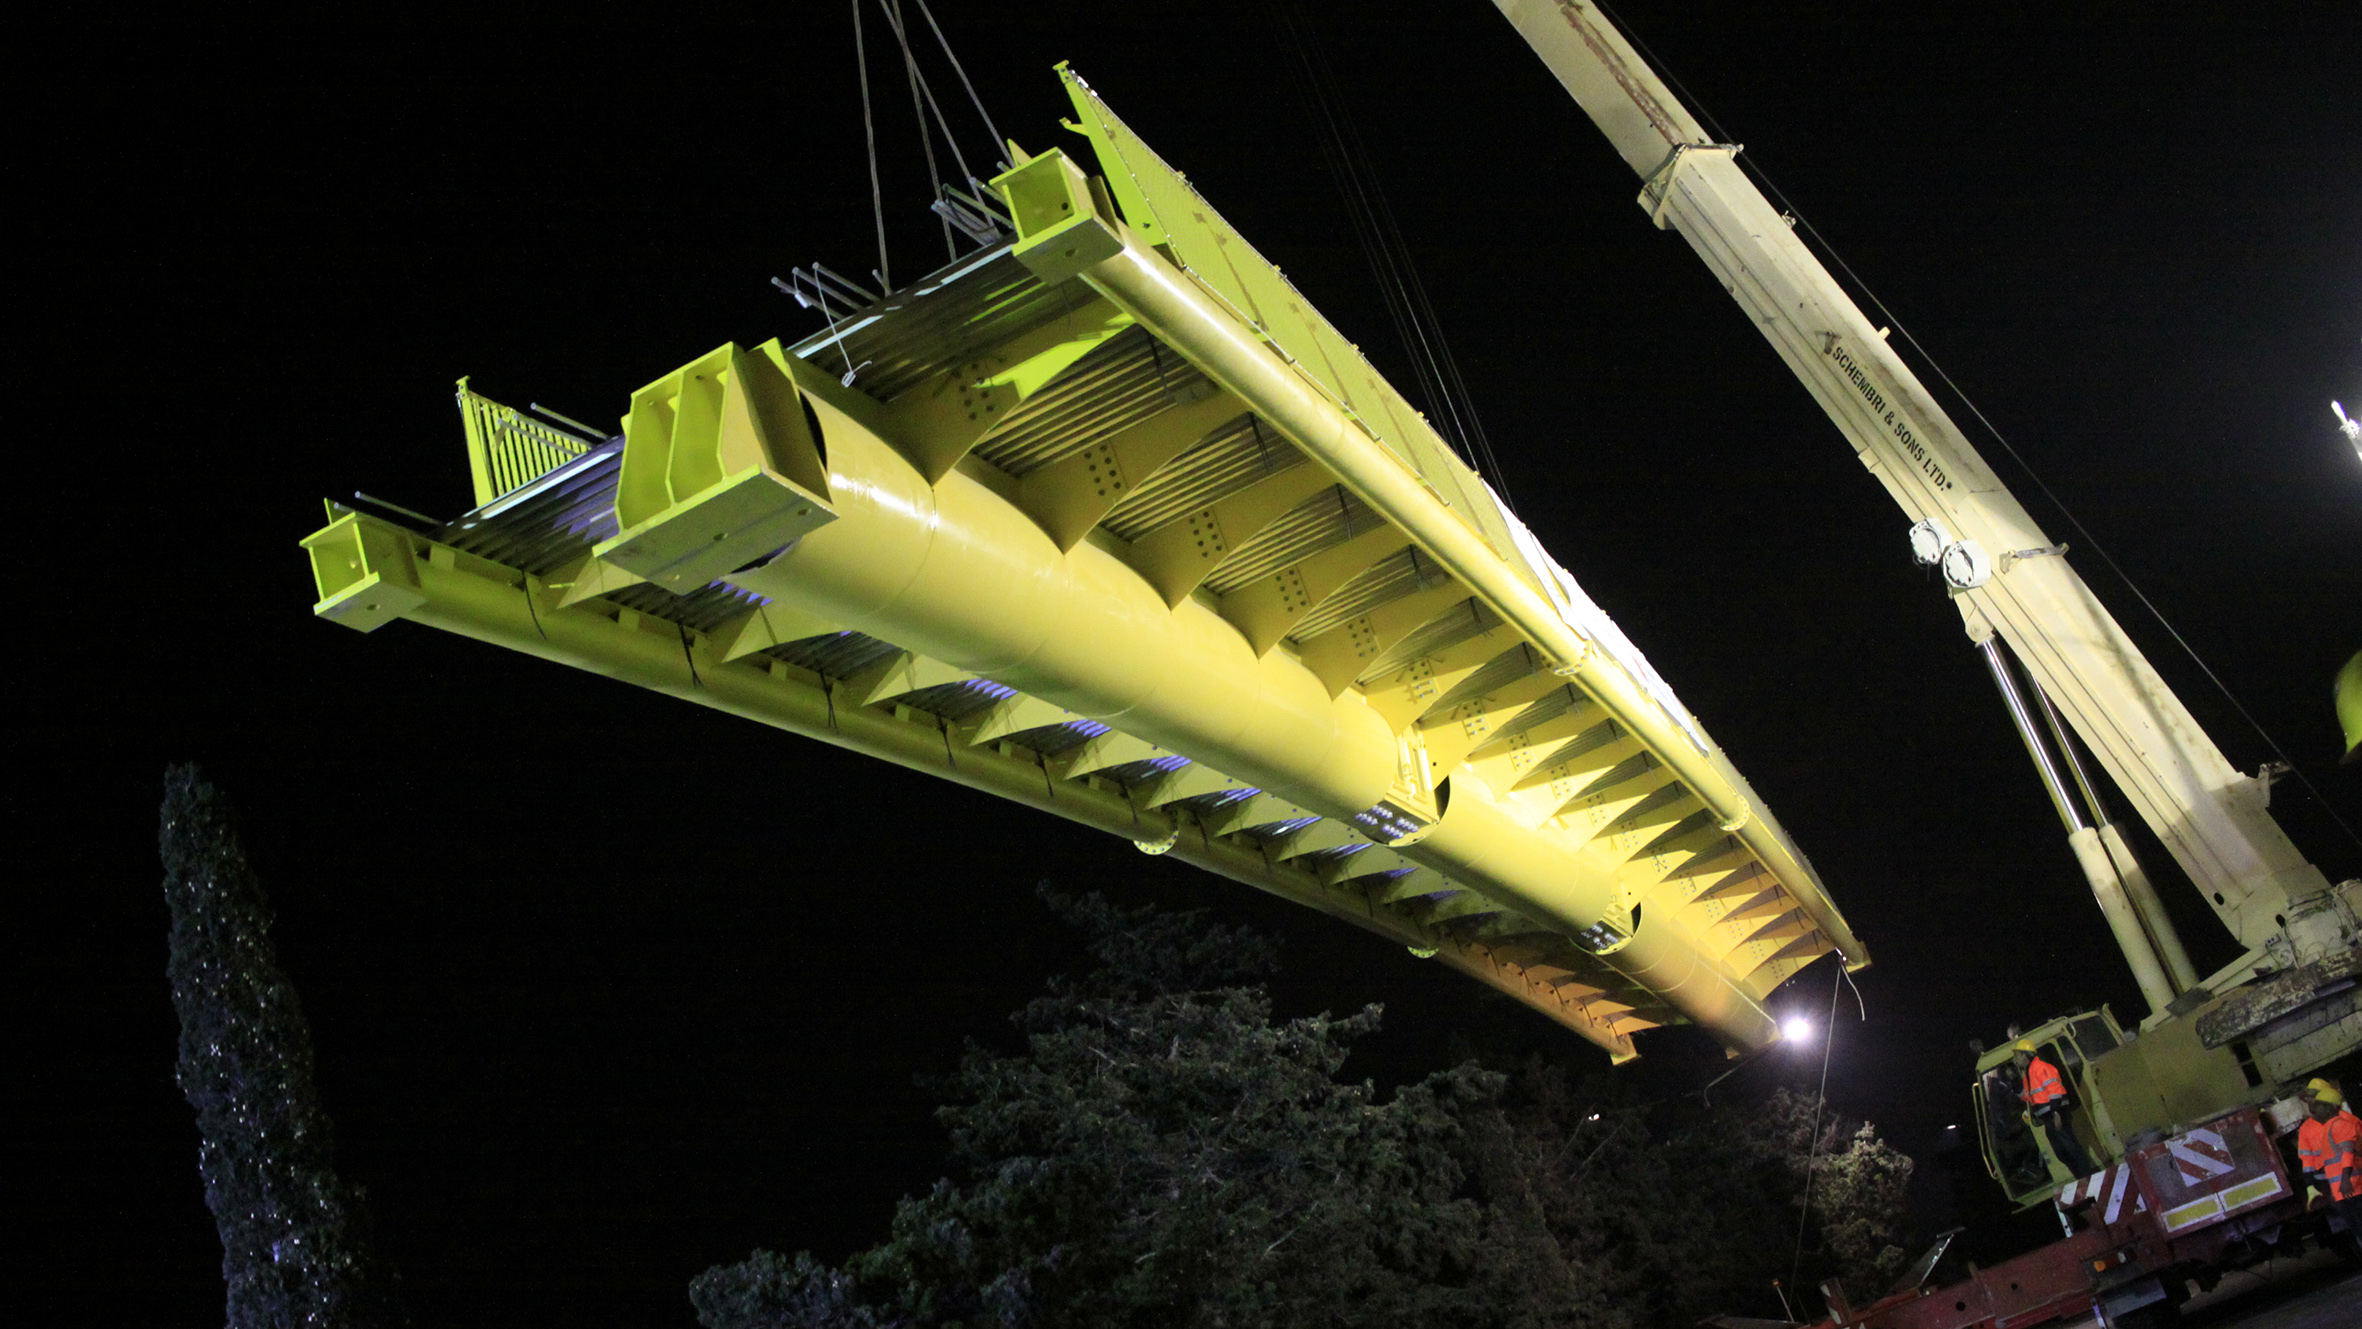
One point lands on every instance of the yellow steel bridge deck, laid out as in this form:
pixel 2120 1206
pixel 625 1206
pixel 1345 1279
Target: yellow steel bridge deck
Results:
pixel 1106 520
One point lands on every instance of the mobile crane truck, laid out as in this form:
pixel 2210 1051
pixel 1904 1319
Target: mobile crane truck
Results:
pixel 2189 1115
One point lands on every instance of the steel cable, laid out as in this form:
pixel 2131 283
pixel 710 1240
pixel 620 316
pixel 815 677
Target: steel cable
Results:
pixel 1388 255
pixel 999 144
pixel 877 200
pixel 1820 1101
pixel 922 99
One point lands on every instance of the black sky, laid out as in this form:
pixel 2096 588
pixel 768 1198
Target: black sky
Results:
pixel 606 988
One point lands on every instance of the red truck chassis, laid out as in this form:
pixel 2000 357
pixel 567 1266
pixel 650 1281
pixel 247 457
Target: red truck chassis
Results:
pixel 2211 1198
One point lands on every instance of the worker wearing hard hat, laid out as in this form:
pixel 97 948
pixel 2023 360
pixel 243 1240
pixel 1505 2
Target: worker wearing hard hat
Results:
pixel 2045 1093
pixel 2317 1086
pixel 2329 1147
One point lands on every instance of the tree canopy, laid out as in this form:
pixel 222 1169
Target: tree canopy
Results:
pixel 1166 1151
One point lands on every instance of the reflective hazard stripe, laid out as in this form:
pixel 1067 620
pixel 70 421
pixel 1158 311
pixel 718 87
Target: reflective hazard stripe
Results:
pixel 2110 1192
pixel 2119 1182
pixel 2201 1155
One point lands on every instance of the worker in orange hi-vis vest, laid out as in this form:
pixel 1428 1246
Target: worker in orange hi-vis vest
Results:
pixel 2045 1093
pixel 2312 1136
pixel 2329 1146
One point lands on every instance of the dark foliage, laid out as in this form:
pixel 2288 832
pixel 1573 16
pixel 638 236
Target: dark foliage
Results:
pixel 1687 1211
pixel 1166 1153
pixel 295 1245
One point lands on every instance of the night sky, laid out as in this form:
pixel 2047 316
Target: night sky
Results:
pixel 607 988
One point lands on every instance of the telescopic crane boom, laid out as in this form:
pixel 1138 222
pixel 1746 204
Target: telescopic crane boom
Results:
pixel 2183 1117
pixel 2009 579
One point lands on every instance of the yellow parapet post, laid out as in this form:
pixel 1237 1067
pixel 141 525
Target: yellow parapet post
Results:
pixel 1071 522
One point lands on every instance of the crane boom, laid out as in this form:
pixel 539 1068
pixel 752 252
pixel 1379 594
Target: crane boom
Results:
pixel 2008 578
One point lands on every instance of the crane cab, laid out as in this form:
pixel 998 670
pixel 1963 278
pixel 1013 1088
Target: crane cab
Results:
pixel 2016 1154
pixel 2123 1091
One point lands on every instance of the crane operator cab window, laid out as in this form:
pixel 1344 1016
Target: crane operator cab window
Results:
pixel 2089 1036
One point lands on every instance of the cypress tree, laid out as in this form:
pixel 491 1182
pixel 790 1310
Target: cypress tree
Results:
pixel 295 1242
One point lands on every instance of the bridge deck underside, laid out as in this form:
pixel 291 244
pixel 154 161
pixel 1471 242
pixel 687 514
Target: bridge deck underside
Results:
pixel 1104 434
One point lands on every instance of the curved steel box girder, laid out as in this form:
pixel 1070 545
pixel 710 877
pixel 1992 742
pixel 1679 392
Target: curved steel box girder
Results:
pixel 1077 530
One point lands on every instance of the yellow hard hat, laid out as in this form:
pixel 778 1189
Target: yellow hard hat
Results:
pixel 2025 1045
pixel 2314 1086
pixel 2332 1097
